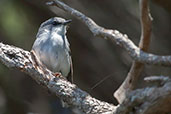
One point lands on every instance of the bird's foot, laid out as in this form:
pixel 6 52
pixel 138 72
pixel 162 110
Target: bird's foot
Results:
pixel 57 74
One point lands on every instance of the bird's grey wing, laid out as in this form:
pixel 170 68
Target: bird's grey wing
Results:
pixel 71 76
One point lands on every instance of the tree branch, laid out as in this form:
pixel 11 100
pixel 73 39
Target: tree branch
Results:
pixel 150 100
pixel 75 98
pixel 117 37
pixel 132 78
pixel 142 101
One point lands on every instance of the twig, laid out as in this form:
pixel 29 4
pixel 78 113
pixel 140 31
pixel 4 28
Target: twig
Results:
pixel 102 80
pixel 132 78
pixel 160 80
pixel 117 37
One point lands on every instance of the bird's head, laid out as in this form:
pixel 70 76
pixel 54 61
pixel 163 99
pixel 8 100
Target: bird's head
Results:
pixel 55 24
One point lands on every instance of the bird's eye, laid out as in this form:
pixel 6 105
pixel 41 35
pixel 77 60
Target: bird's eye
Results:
pixel 56 23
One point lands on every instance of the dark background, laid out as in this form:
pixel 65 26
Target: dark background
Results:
pixel 93 58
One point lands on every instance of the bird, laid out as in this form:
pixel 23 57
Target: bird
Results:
pixel 52 48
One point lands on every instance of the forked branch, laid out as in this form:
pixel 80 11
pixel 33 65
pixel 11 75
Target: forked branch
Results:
pixel 132 78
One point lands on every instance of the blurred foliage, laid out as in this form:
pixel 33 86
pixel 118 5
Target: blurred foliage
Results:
pixel 13 22
pixel 93 58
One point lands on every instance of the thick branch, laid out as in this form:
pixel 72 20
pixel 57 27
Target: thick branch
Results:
pixel 132 78
pixel 117 37
pixel 74 97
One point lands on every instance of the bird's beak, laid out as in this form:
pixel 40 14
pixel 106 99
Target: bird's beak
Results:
pixel 67 22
